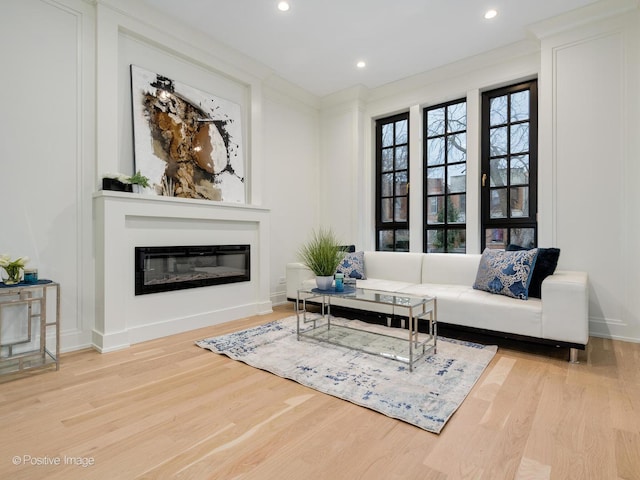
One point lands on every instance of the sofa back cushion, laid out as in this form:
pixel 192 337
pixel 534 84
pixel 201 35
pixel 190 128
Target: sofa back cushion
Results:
pixel 398 266
pixel 450 268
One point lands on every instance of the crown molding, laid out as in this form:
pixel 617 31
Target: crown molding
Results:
pixel 581 16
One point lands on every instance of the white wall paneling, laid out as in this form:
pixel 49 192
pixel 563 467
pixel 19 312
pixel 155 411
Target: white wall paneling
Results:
pixel 46 146
pixel 590 102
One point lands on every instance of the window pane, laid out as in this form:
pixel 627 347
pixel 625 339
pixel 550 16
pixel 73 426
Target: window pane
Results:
pixel 386 205
pixel 457 117
pixel 387 185
pixel 456 208
pixel 435 241
pixel 435 122
pixel 401 132
pixel 457 178
pixel 402 157
pixel 435 180
pixel 402 240
pixel 456 241
pixel 525 237
pixel 520 170
pixel 498 110
pixel 387 135
pixel 401 183
pixel 435 215
pixel 519 202
pixel 385 240
pixel 495 237
pixel 400 214
pixel 520 138
pixel 435 151
pixel 387 160
pixel 498 172
pixel 498 141
pixel 498 203
pixel 457 148
pixel 520 106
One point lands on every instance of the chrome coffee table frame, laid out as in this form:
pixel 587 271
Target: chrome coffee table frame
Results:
pixel 391 344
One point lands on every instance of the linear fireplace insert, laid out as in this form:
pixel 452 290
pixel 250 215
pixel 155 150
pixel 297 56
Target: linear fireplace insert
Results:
pixel 162 269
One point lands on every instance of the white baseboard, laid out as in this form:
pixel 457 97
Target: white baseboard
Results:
pixel 123 339
pixel 612 329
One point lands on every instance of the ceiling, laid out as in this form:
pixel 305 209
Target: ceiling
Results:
pixel 317 43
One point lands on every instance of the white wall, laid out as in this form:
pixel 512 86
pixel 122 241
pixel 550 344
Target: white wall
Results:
pixel 589 113
pixel 591 108
pixel 47 149
pixel 348 140
pixel 291 150
pixel 340 168
pixel 67 109
pixel 66 113
pixel 465 79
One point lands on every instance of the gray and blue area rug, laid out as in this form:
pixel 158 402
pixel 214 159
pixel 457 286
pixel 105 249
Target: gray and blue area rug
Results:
pixel 426 397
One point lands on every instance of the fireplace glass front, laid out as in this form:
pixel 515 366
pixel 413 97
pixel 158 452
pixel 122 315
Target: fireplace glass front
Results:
pixel 162 269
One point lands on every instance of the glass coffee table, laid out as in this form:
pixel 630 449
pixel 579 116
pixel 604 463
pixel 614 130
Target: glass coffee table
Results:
pixel 405 346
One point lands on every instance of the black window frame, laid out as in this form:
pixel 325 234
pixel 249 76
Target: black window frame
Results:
pixel 398 228
pixel 447 226
pixel 509 223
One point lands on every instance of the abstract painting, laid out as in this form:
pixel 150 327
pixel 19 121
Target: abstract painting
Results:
pixel 186 141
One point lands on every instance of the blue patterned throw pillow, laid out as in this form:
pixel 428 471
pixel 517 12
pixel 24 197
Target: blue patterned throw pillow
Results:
pixel 506 273
pixel 546 264
pixel 352 265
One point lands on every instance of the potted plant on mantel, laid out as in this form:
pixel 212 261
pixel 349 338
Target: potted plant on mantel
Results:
pixel 322 254
pixel 138 182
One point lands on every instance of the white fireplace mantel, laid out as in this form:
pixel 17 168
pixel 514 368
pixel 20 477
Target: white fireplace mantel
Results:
pixel 123 221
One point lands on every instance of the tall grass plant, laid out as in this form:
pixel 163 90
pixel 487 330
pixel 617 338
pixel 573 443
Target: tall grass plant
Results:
pixel 322 253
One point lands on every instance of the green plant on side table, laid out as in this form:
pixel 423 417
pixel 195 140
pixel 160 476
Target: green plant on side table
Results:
pixel 322 254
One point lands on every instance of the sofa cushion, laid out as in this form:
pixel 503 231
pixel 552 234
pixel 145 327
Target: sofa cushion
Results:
pixel 462 305
pixel 506 273
pixel 546 264
pixel 398 266
pixel 450 268
pixel 382 284
pixel 352 265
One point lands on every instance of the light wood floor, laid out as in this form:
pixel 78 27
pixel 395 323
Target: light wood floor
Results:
pixel 168 409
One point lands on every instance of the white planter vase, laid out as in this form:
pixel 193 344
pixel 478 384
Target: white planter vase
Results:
pixel 324 283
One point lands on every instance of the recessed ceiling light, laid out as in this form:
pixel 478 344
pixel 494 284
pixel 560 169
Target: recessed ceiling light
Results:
pixel 283 6
pixel 361 64
pixel 489 14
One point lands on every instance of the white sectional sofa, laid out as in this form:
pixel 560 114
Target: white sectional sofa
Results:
pixel 559 317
